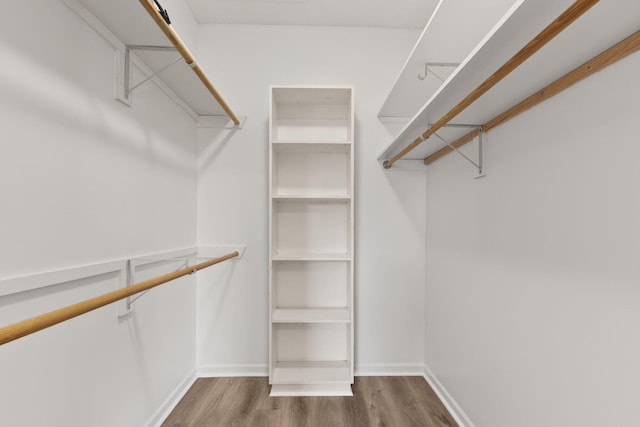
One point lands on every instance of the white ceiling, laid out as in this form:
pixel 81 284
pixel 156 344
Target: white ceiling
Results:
pixel 356 13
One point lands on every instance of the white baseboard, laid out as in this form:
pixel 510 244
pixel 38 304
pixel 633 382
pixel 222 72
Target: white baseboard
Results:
pixel 250 370
pixel 389 370
pixel 171 401
pixel 447 400
pixel 362 370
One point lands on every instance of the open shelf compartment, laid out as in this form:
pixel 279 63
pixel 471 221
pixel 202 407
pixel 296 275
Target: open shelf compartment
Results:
pixel 311 285
pixel 311 170
pixel 311 353
pixel 313 227
pixel 311 114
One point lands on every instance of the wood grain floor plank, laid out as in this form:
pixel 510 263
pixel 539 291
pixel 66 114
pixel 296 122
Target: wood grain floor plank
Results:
pixel 376 401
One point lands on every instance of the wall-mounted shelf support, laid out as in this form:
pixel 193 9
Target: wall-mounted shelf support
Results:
pixel 131 280
pixel 480 164
pixel 186 83
pixel 125 67
pixel 427 70
pixel 186 260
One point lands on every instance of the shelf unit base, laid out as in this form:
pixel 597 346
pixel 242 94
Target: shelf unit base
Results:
pixel 293 390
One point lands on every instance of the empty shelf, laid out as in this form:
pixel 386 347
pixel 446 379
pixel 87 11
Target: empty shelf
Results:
pixel 311 315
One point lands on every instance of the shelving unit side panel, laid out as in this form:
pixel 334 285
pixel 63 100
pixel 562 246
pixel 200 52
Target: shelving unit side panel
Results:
pixel 272 117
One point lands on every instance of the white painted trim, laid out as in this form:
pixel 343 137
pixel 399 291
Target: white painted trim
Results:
pixel 172 400
pixel 389 370
pixel 164 256
pixel 248 370
pixel 447 400
pixel 40 280
pixel 56 277
pixel 362 370
pixel 219 250
pixel 220 122
pixel 124 305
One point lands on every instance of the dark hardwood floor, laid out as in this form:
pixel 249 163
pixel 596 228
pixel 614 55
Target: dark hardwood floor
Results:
pixel 376 401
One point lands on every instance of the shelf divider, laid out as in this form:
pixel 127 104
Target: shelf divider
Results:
pixel 311 315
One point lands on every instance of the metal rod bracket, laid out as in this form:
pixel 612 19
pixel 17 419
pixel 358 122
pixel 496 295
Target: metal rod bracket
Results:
pixel 480 163
pixel 428 65
pixel 132 279
pixel 124 87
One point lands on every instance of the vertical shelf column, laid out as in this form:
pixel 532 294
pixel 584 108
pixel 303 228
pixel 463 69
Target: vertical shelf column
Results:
pixel 311 214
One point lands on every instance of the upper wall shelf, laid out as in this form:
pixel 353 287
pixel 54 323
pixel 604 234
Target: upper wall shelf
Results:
pixel 450 34
pixel 579 42
pixel 132 24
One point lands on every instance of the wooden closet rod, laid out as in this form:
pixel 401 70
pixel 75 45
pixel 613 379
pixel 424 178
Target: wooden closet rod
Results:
pixel 38 323
pixel 615 53
pixel 188 57
pixel 556 27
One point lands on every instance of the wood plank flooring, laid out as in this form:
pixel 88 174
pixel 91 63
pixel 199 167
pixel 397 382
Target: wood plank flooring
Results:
pixel 376 401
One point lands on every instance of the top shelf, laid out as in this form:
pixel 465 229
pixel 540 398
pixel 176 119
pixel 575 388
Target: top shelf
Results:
pixel 311 114
pixel 452 31
pixel 129 21
pixel 577 44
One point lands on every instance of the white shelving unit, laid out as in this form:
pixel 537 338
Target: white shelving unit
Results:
pixel 311 241
pixel 582 40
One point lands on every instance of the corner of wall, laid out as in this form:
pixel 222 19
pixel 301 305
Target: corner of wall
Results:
pixel 172 400
pixel 447 400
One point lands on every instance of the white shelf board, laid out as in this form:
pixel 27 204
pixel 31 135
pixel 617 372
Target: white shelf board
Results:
pixel 602 26
pixel 311 257
pixel 450 34
pixel 131 23
pixel 311 372
pixel 311 315
pixel 312 95
pixel 295 390
pixel 311 197
pixel 312 142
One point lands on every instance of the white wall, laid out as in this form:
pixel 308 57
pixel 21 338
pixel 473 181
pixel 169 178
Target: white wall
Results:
pixel 533 273
pixel 232 193
pixel 85 179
